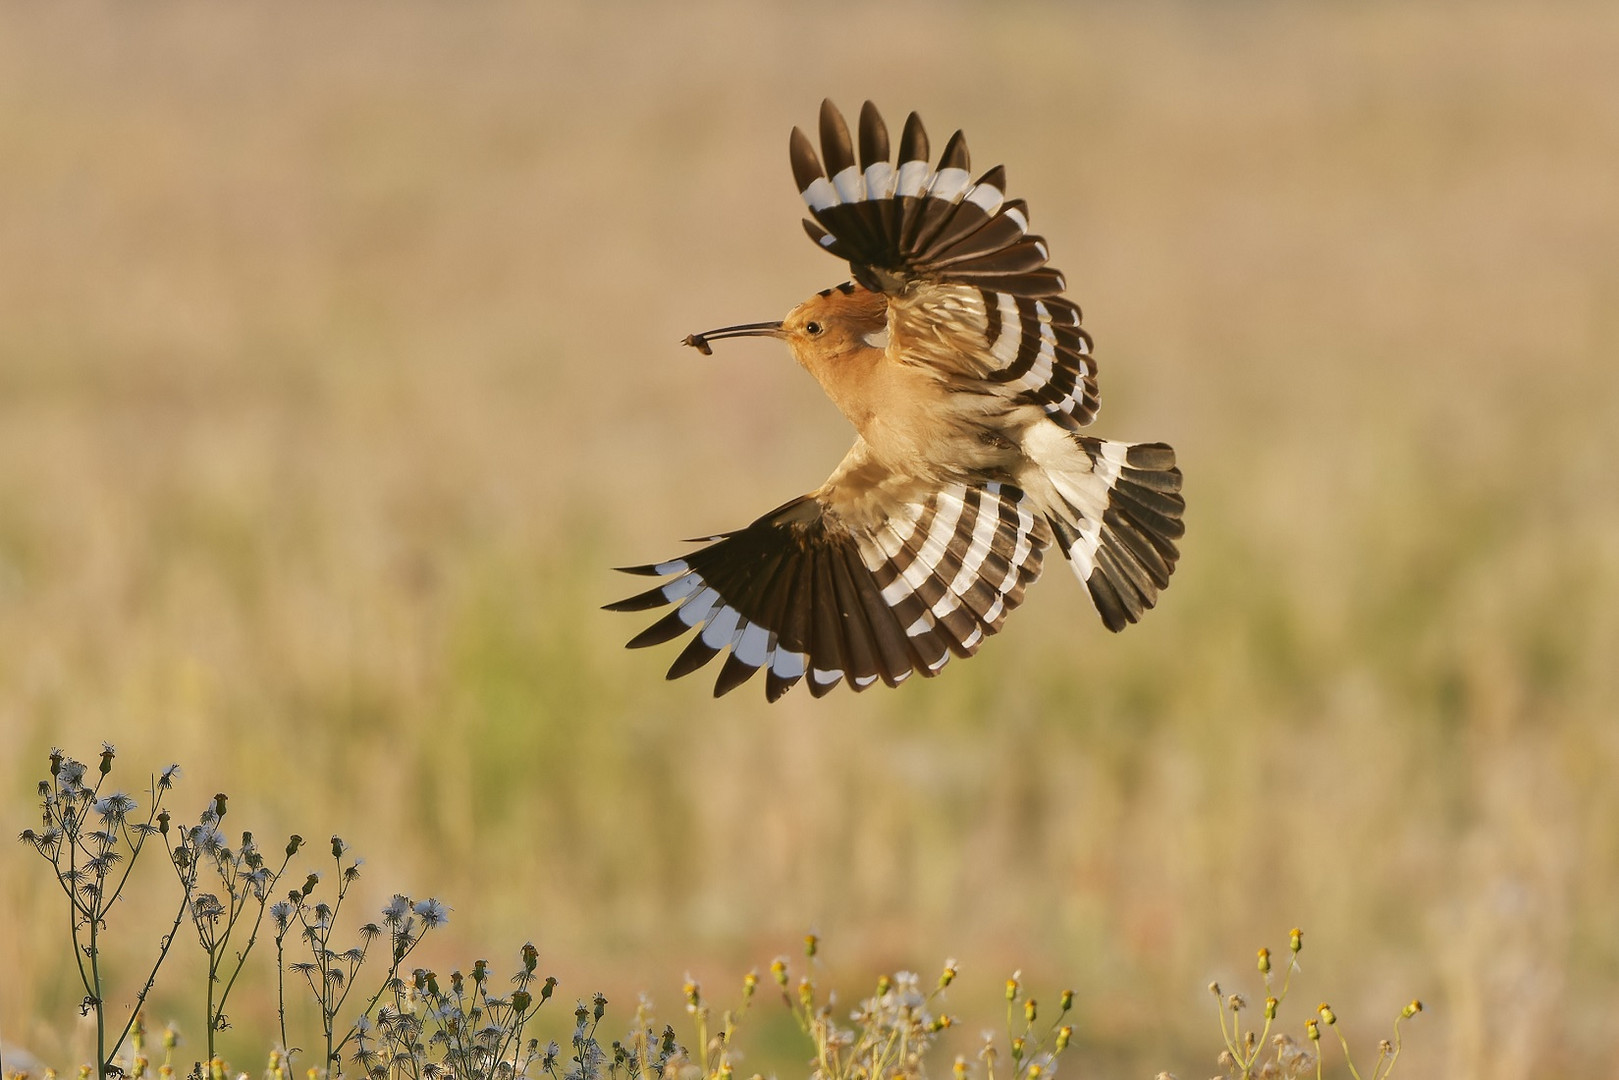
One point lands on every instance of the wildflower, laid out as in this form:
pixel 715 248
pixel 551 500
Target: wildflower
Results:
pixel 396 910
pixel 1327 1014
pixel 1411 1010
pixel 949 976
pixel 1296 940
pixel 116 806
pixel 69 778
pixel 1264 961
pixel 432 912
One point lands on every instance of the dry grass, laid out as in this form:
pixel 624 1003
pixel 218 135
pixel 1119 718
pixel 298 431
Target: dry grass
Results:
pixel 338 361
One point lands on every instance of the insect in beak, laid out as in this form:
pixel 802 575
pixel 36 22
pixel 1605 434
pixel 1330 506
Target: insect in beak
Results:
pixel 758 329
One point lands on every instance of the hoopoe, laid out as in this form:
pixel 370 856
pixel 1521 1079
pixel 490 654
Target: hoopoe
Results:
pixel 967 378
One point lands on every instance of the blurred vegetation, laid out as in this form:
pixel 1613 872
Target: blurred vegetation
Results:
pixel 340 359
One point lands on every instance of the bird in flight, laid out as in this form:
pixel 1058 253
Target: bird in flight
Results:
pixel 968 380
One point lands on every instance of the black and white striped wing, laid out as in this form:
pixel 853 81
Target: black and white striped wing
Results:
pixel 906 221
pixel 1029 350
pixel 801 593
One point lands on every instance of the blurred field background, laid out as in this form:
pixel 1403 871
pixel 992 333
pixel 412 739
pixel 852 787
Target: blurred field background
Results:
pixel 339 360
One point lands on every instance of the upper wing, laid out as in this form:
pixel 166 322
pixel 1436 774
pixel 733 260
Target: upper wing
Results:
pixel 1027 350
pixel 970 293
pixel 804 590
pixel 897 225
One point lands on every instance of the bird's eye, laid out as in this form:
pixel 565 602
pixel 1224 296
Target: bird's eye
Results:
pixel 813 328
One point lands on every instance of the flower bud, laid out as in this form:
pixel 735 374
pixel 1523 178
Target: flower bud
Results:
pixel 1065 1035
pixel 294 842
pixel 1270 1008
pixel 1313 1029
pixel 1327 1014
pixel 1011 989
pixel 1030 1009
pixel 812 944
pixel 1295 940
pixel 219 812
pixel 531 957
pixel 1067 1000
pixel 1264 961
pixel 1411 1010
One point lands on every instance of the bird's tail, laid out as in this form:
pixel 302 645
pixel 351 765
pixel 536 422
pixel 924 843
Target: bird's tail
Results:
pixel 1117 518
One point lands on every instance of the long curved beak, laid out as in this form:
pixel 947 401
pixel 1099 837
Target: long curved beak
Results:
pixel 756 329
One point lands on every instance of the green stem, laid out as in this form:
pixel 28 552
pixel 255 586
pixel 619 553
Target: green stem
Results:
pixel 101 1011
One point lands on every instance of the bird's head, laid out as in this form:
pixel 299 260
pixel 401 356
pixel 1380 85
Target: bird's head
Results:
pixel 832 324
